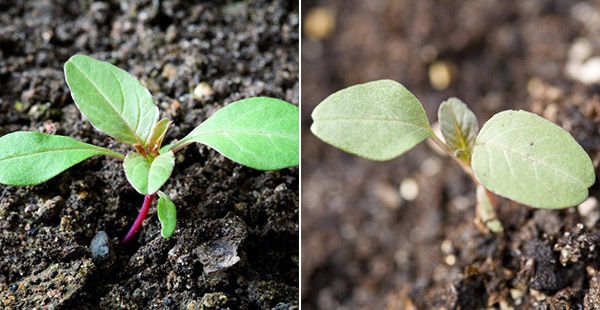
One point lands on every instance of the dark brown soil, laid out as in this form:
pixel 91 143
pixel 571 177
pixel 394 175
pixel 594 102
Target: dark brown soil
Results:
pixel 239 49
pixel 364 246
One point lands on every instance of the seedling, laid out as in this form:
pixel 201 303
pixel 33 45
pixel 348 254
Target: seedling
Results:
pixel 517 154
pixel 260 132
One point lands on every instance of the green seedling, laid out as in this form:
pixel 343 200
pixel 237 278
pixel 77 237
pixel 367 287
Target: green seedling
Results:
pixel 260 132
pixel 517 154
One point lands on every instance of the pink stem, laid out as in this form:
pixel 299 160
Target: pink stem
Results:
pixel 140 218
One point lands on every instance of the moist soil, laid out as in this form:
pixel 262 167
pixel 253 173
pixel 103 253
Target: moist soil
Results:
pixel 236 242
pixel 367 245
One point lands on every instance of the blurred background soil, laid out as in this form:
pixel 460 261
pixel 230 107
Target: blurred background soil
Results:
pixel 236 243
pixel 400 234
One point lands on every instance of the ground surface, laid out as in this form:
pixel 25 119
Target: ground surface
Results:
pixel 366 246
pixel 225 211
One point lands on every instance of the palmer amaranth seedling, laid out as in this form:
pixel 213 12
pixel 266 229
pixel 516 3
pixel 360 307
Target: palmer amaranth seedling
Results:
pixel 517 154
pixel 260 132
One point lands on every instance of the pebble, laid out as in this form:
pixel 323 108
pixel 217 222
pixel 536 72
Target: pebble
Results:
pixel 446 246
pixel 202 91
pixel 100 247
pixel 589 211
pixel 516 295
pixel 580 65
pixel 319 23
pixel 431 166
pixel 450 260
pixel 222 252
pixel 587 72
pixel 441 74
pixel 409 189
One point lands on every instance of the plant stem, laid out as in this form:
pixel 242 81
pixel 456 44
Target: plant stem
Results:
pixel 466 168
pixel 485 199
pixel 140 218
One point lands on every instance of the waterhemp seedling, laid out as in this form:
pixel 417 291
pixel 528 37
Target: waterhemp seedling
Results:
pixel 260 132
pixel 517 154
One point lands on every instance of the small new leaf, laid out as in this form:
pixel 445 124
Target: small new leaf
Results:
pixel 30 158
pixel 158 133
pixel 167 215
pixel 526 158
pixel 259 132
pixel 113 100
pixel 459 127
pixel 378 120
pixel 145 176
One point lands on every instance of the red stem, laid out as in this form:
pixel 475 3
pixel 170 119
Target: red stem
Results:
pixel 140 218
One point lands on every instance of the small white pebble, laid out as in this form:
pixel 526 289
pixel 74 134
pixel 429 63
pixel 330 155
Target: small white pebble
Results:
pixel 516 295
pixel 409 189
pixel 202 90
pixel 431 166
pixel 450 260
pixel 446 246
pixel 588 206
pixel 461 203
pixel 441 74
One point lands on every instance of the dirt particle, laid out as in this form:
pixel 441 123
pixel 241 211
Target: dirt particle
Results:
pixel 387 194
pixel 214 300
pixel 221 252
pixel 547 275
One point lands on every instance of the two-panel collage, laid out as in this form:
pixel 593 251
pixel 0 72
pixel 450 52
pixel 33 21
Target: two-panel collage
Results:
pixel 286 154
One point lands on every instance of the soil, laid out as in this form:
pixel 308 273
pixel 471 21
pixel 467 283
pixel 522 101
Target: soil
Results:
pixel 368 245
pixel 236 242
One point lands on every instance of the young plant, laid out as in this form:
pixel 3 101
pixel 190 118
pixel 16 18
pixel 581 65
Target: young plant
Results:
pixel 517 154
pixel 260 132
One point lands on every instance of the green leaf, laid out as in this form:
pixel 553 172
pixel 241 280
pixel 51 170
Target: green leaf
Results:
pixel 113 100
pixel 377 120
pixel 30 158
pixel 145 176
pixel 459 127
pixel 528 159
pixel 259 132
pixel 167 215
pixel 165 148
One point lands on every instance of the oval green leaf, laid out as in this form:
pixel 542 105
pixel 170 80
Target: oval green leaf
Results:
pixel 259 132
pixel 113 100
pixel 459 127
pixel 30 158
pixel 527 158
pixel 167 215
pixel 378 120
pixel 145 176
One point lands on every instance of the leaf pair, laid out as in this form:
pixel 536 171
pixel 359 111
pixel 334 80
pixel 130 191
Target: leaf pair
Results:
pixel 517 154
